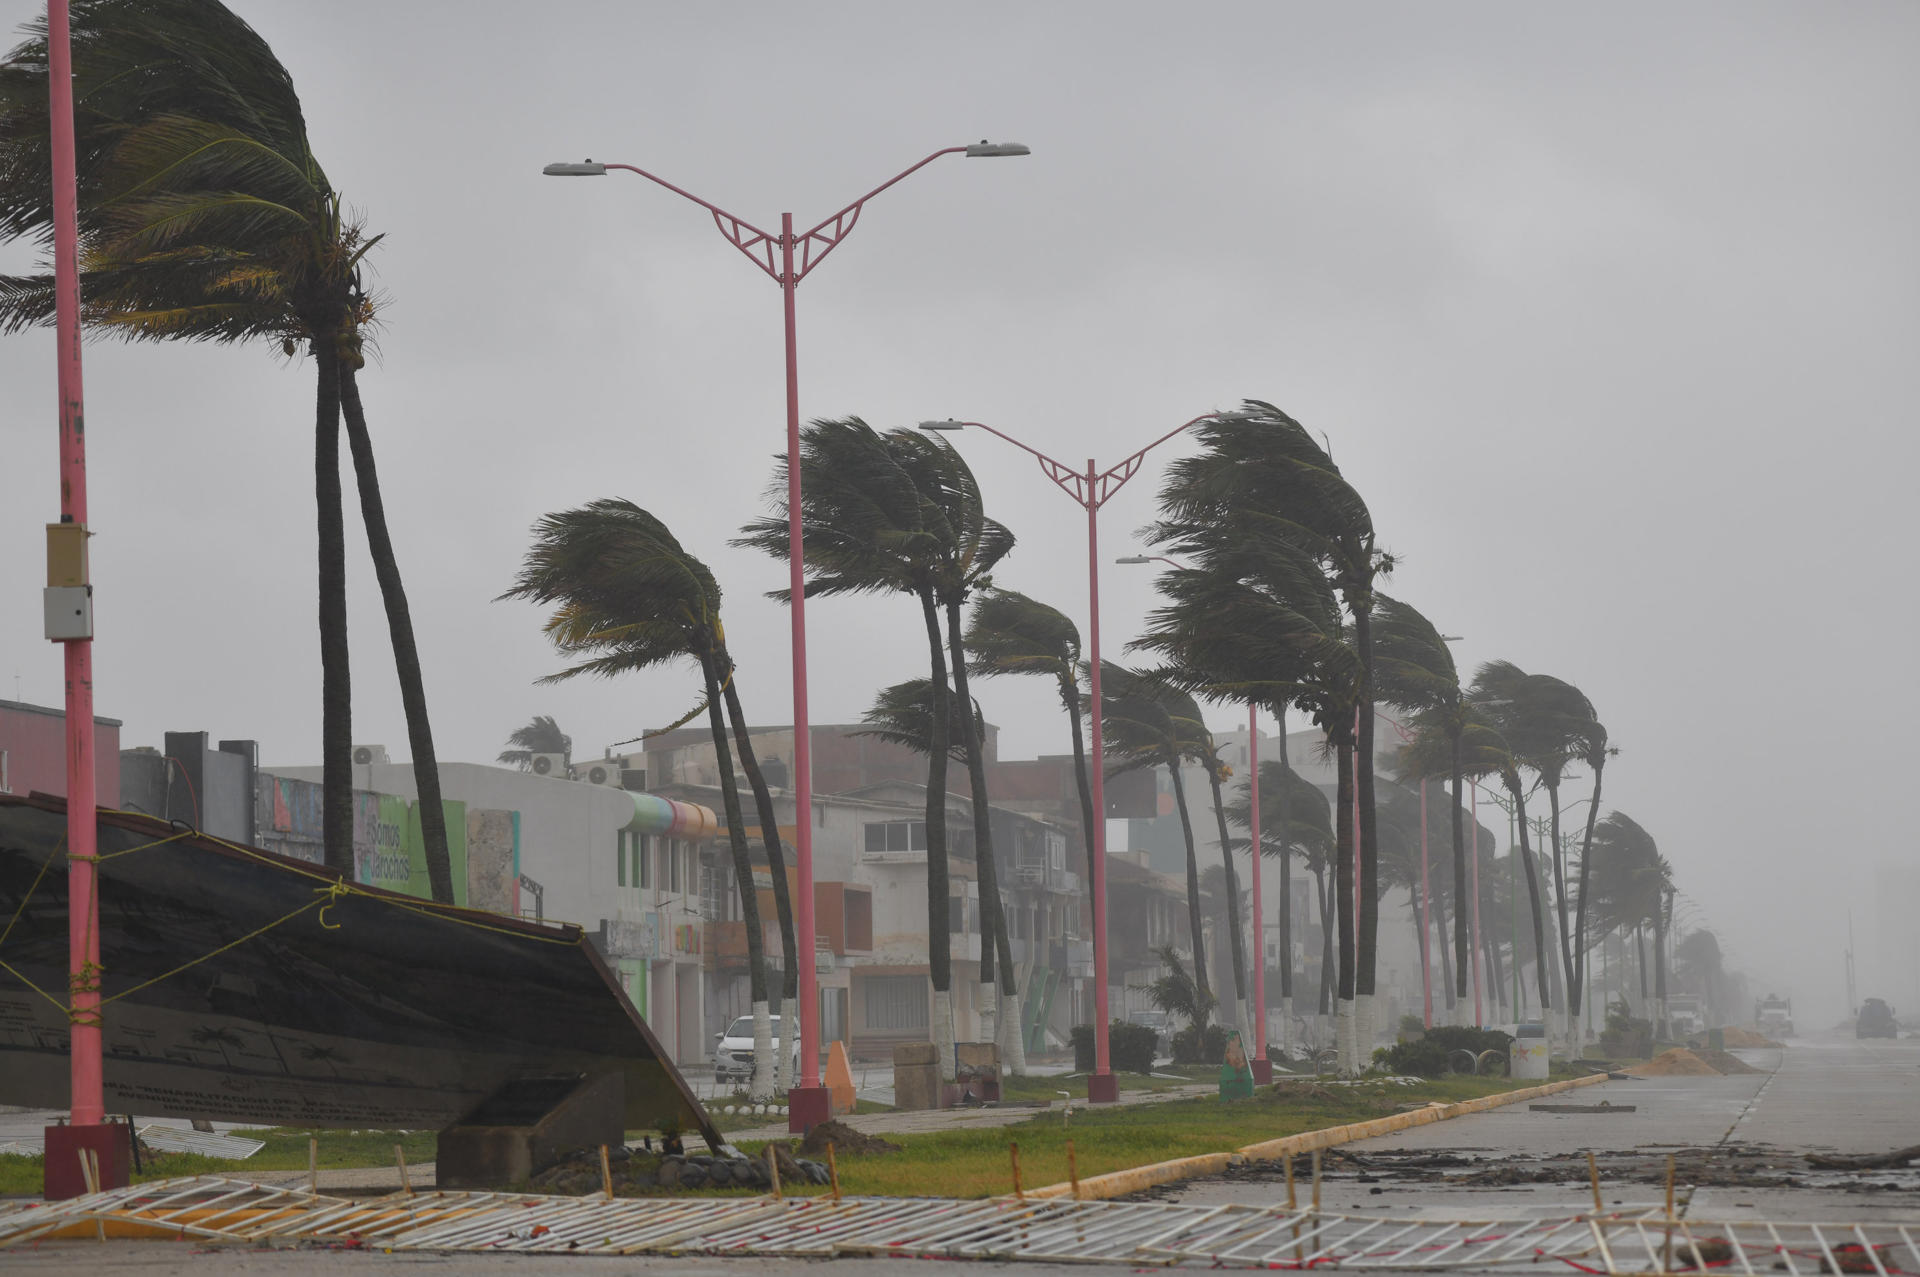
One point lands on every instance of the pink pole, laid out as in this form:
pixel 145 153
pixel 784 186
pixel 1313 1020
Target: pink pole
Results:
pixel 83 932
pixel 1479 1019
pixel 1102 1087
pixel 1259 902
pixel 1426 909
pixel 809 987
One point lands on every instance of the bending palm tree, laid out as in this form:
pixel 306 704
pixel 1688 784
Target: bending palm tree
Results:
pixel 627 597
pixel 1150 723
pixel 204 216
pixel 867 528
pixel 1260 467
pixel 1293 817
pixel 541 736
pixel 1414 671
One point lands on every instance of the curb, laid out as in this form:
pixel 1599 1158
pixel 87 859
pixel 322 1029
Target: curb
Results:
pixel 1136 1178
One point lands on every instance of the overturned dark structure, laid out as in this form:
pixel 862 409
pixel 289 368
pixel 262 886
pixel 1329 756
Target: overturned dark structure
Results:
pixel 250 987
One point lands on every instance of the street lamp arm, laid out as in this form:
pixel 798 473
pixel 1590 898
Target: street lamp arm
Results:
pixel 1071 481
pixel 1112 480
pixel 756 244
pixel 816 242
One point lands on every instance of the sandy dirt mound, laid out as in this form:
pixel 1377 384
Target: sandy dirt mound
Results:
pixel 1746 1038
pixel 844 1139
pixel 1724 1062
pixel 1677 1062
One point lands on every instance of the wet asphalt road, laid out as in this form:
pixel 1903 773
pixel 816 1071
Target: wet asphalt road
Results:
pixel 1833 1095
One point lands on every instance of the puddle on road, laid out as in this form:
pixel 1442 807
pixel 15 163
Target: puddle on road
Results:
pixel 1726 1166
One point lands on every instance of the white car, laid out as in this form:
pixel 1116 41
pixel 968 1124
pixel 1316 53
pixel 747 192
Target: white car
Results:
pixel 733 1050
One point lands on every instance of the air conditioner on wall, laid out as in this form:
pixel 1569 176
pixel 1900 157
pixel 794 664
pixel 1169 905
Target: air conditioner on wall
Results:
pixel 367 755
pixel 550 765
pixel 602 773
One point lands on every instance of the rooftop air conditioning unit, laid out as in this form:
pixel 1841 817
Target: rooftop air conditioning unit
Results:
pixel 602 773
pixel 550 765
pixel 367 755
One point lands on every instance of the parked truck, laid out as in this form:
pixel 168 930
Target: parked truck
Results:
pixel 1773 1015
pixel 1686 1018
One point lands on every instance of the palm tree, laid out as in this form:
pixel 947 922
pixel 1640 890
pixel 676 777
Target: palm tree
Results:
pixel 204 216
pixel 1294 817
pixel 1549 724
pixel 1150 723
pixel 1181 994
pixel 1010 633
pixel 1634 888
pixel 867 528
pixel 903 714
pixel 1260 468
pixel 541 736
pixel 626 597
pixel 1414 671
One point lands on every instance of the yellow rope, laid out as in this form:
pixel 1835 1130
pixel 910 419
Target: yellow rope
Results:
pixel 44 865
pixel 326 897
pixel 21 977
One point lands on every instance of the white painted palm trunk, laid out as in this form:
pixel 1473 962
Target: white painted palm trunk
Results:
pixel 1244 1009
pixel 989 1000
pixel 760 1089
pixel 1286 1027
pixel 1012 1039
pixel 1363 1032
pixel 943 1032
pixel 1343 1036
pixel 783 1051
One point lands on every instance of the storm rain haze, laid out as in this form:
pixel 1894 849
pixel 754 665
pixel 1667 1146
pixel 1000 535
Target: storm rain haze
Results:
pixel 1609 311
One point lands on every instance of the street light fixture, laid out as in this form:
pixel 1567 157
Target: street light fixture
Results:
pixel 1090 489
pixel 787 258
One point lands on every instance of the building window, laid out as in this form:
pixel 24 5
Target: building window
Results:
pixel 620 858
pixel 896 835
pixel 896 1001
pixel 642 860
pixel 673 866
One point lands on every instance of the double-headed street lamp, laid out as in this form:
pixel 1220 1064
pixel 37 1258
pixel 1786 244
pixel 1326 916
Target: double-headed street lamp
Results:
pixel 1262 1066
pixel 1090 489
pixel 776 255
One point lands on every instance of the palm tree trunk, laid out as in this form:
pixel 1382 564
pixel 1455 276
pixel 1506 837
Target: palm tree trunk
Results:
pixel 776 869
pixel 1194 918
pixel 1286 879
pixel 1567 964
pixel 1586 859
pixel 1343 895
pixel 406 653
pixel 1533 897
pixel 1461 939
pixel 1367 921
pixel 1070 693
pixel 993 915
pixel 1322 897
pixel 762 1086
pixel 939 936
pixel 1237 949
pixel 336 686
pixel 1446 961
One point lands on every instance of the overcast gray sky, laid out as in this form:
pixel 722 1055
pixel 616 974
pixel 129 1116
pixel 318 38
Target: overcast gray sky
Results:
pixel 1609 311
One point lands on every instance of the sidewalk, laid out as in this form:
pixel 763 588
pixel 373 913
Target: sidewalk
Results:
pixel 925 1120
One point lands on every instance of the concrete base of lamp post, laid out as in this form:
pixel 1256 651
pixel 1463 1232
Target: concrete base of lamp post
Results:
pixel 1103 1088
pixel 109 1143
pixel 807 1107
pixel 1262 1070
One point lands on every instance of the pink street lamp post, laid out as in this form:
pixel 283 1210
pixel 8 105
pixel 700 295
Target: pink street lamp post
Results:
pixel 776 255
pixel 69 611
pixel 1091 489
pixel 1262 1066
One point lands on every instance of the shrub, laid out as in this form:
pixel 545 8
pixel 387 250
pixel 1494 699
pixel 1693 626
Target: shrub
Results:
pixel 1082 1036
pixel 1200 1046
pixel 1433 1054
pixel 1129 1047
